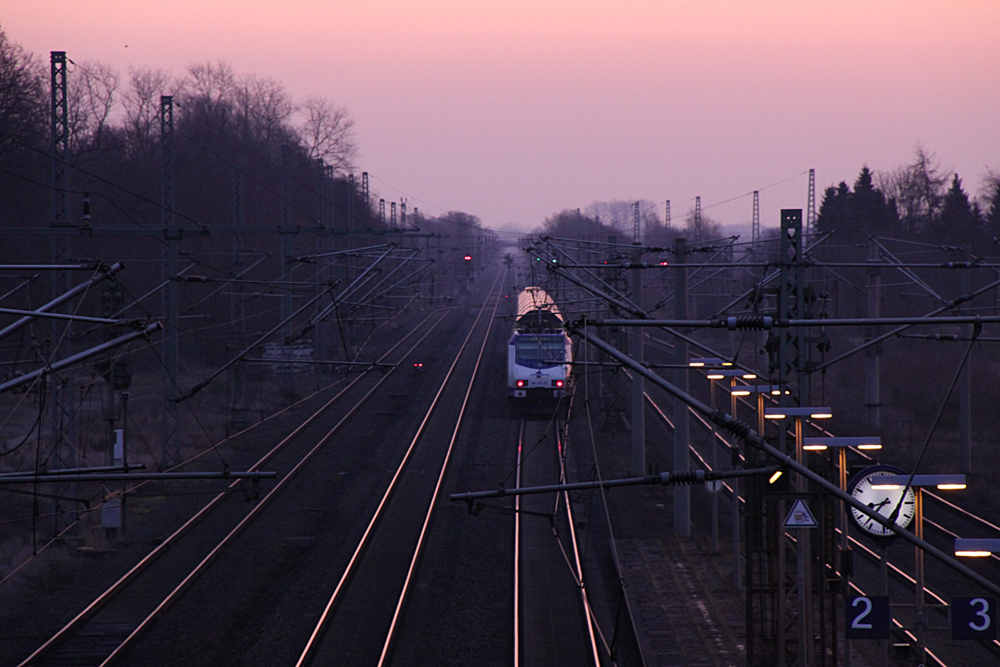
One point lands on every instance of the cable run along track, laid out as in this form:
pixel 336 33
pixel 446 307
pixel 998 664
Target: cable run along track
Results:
pixel 367 608
pixel 132 611
pixel 552 619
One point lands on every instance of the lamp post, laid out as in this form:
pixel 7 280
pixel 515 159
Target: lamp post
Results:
pixel 712 376
pixel 918 482
pixel 732 374
pixel 762 617
pixel 841 445
pixel 802 579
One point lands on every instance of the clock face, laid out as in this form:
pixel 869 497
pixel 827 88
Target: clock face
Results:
pixel 883 501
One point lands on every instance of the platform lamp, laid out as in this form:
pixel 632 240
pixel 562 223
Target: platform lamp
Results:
pixel 841 444
pixel 700 362
pixel 803 548
pixel 971 547
pixel 798 414
pixel 918 482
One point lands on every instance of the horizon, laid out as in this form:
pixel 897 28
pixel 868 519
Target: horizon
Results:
pixel 515 111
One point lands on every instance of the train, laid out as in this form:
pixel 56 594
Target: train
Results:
pixel 539 352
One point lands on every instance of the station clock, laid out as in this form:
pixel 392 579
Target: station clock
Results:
pixel 883 501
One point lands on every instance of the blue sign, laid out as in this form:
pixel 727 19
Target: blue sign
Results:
pixel 973 618
pixel 866 617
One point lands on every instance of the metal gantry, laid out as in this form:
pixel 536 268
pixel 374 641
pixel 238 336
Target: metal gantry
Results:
pixel 791 619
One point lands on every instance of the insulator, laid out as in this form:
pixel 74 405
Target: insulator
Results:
pixel 750 322
pixel 683 477
pixel 740 429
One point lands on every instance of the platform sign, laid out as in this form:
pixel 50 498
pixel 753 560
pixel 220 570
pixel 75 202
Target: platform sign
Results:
pixel 800 516
pixel 866 617
pixel 973 618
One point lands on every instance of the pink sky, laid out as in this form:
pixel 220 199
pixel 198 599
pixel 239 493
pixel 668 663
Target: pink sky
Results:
pixel 513 110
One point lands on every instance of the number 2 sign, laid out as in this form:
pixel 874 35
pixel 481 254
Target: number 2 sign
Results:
pixel 867 617
pixel 973 618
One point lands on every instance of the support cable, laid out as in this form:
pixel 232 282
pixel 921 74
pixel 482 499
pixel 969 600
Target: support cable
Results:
pixel 753 439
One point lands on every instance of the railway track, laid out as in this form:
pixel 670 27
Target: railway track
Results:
pixel 898 566
pixel 365 612
pixel 552 616
pixel 134 611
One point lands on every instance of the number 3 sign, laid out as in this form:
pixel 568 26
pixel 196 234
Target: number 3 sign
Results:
pixel 867 617
pixel 973 618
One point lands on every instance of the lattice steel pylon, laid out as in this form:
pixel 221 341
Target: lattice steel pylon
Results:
pixel 788 622
pixel 755 219
pixel 636 226
pixel 171 390
pixel 60 140
pixel 811 204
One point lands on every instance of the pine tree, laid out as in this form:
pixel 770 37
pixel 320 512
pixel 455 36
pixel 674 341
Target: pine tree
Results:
pixel 958 222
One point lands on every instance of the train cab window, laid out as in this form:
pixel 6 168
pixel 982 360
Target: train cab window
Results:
pixel 540 350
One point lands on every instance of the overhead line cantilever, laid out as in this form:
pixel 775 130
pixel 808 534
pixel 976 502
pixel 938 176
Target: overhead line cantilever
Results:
pixel 753 439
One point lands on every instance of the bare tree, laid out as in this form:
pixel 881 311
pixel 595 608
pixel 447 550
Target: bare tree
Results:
pixel 615 213
pixel 141 102
pixel 92 91
pixel 701 228
pixel 264 109
pixel 990 201
pixel 327 133
pixel 213 83
pixel 22 96
pixel 918 190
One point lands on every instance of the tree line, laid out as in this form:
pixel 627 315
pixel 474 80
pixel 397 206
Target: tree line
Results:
pixel 293 158
pixel 918 201
pixel 614 222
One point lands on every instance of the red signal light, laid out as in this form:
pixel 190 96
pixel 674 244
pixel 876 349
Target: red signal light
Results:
pixel 664 263
pixel 468 258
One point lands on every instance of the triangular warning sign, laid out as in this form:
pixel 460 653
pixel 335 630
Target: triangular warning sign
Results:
pixel 800 516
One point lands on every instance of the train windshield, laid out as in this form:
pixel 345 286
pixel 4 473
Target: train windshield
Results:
pixel 540 350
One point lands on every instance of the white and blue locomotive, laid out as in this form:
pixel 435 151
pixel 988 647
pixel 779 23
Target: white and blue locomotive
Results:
pixel 539 352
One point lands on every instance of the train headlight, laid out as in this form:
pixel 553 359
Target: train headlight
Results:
pixel 520 383
pixel 557 383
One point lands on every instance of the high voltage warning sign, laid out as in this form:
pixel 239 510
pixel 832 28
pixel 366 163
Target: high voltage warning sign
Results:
pixel 800 516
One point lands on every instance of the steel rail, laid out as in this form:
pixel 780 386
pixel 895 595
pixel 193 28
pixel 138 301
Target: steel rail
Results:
pixel 753 439
pixel 898 572
pixel 418 550
pixel 94 607
pixel 264 502
pixel 517 550
pixel 899 627
pixel 313 642
pixel 577 565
